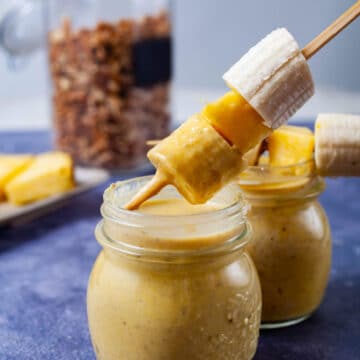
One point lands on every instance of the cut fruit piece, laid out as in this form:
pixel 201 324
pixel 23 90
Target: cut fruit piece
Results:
pixel 290 145
pixel 197 160
pixel 337 148
pixel 11 166
pixel 273 77
pixel 237 121
pixel 48 174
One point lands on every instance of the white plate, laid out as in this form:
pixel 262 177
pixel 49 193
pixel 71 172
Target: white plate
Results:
pixel 86 178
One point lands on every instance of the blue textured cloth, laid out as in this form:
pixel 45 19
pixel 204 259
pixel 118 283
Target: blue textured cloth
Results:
pixel 45 264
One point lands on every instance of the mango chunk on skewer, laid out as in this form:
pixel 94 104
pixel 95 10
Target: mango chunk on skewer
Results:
pixel 237 121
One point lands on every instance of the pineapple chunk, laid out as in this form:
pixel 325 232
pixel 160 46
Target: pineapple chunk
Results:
pixel 237 121
pixel 49 174
pixel 11 166
pixel 290 145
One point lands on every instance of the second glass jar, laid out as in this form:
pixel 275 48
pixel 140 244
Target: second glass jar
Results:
pixel 291 245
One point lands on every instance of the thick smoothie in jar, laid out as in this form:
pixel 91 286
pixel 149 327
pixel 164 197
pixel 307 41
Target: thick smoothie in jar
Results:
pixel 291 245
pixel 173 282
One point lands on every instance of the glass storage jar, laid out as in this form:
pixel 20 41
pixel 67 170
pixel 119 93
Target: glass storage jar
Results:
pixel 110 66
pixel 291 245
pixel 173 287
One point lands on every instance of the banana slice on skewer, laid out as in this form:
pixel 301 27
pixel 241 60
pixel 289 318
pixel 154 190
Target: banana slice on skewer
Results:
pixel 197 160
pixel 337 144
pixel 273 77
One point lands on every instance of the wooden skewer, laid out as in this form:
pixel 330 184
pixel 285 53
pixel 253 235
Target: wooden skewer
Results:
pixel 331 31
pixel 159 180
pixel 150 189
pixel 152 142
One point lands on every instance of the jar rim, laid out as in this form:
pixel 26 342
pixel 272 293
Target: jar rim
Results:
pixel 166 232
pixel 298 180
pixel 302 169
pixel 291 166
pixel 165 255
pixel 238 205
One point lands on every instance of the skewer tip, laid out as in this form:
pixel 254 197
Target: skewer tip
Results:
pixel 149 190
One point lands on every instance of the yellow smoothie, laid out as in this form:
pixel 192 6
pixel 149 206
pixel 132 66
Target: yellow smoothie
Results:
pixel 173 282
pixel 176 206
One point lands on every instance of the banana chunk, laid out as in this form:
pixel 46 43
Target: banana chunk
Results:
pixel 197 160
pixel 273 77
pixel 49 174
pixel 337 144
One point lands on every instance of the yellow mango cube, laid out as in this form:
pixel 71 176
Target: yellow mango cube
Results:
pixel 49 174
pixel 290 145
pixel 234 118
pixel 11 166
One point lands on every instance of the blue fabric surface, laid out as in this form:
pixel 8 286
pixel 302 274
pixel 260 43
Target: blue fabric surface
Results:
pixel 44 267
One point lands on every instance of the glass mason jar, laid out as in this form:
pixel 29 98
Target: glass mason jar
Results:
pixel 173 287
pixel 291 245
pixel 110 66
